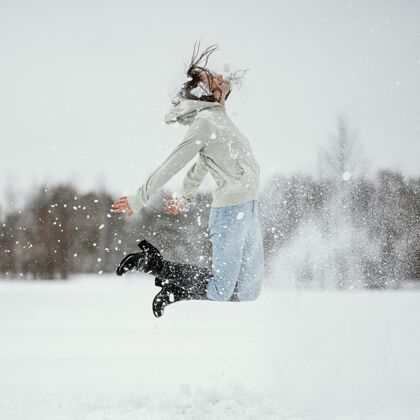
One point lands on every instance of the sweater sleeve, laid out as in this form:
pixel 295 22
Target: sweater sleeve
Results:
pixel 192 180
pixel 182 154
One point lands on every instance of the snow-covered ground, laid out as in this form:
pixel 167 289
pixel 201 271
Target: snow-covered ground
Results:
pixel 90 348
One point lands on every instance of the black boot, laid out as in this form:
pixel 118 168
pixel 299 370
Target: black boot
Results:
pixel 191 278
pixel 172 293
pixel 159 282
pixel 178 281
pixel 149 260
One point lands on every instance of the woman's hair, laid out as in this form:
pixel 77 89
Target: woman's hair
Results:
pixel 197 65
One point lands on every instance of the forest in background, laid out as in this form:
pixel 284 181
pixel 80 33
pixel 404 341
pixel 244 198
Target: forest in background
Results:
pixel 340 229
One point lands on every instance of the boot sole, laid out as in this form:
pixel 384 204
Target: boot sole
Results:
pixel 121 269
pixel 158 307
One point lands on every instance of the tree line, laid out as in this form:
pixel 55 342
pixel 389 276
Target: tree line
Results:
pixel 60 231
pixel 339 229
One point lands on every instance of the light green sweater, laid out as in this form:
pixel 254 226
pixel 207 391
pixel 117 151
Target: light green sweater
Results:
pixel 222 150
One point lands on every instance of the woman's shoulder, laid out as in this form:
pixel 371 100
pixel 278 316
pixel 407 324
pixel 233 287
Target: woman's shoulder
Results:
pixel 214 116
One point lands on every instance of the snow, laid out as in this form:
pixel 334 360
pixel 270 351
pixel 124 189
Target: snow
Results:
pixel 240 215
pixel 90 348
pixel 346 176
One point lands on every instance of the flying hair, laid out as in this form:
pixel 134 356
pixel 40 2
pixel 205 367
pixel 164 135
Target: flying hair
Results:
pixel 194 88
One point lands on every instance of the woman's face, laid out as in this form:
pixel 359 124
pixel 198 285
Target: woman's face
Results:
pixel 218 85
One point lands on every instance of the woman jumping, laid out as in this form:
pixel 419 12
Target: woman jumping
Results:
pixel 237 245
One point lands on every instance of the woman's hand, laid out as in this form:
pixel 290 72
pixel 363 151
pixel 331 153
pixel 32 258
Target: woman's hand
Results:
pixel 121 205
pixel 173 205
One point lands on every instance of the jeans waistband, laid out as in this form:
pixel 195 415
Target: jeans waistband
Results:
pixel 251 206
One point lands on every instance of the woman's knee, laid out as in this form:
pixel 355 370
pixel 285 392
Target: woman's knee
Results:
pixel 219 293
pixel 221 296
pixel 249 295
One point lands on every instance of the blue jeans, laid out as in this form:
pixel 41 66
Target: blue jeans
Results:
pixel 238 255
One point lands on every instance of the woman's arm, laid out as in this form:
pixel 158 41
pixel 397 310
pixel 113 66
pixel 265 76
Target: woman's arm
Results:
pixel 193 179
pixel 183 153
pixel 191 183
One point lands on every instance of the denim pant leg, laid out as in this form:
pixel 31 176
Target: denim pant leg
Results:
pixel 252 268
pixel 228 228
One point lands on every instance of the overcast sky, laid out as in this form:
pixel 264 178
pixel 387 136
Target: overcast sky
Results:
pixel 84 85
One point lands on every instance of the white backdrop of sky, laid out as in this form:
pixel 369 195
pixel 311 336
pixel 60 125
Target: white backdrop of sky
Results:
pixel 84 85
